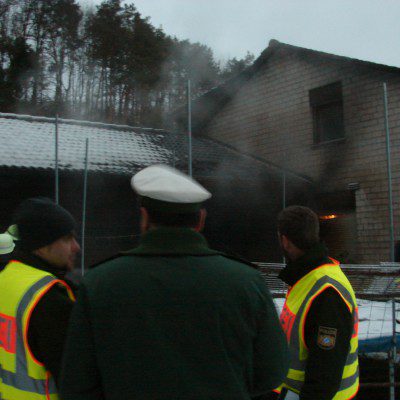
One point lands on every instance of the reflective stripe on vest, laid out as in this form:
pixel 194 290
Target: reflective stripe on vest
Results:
pixel 22 377
pixel 293 318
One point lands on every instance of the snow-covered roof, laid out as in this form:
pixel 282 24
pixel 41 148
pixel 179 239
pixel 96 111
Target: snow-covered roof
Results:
pixel 29 142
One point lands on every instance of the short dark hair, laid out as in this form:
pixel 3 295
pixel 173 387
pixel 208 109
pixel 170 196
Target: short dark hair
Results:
pixel 184 220
pixel 300 225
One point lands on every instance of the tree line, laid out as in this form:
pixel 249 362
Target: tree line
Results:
pixel 105 64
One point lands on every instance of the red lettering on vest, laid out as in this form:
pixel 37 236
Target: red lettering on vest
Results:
pixel 355 330
pixel 8 333
pixel 287 320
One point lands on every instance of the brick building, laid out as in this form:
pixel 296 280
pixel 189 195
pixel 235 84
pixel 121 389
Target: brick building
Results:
pixel 321 116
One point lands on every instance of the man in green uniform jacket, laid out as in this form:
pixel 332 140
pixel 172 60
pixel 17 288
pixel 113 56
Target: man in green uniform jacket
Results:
pixel 173 319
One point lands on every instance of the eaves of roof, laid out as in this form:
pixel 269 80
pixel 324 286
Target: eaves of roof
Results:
pixel 209 104
pixel 262 163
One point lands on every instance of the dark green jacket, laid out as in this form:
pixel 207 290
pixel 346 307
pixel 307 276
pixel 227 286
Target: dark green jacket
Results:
pixel 173 319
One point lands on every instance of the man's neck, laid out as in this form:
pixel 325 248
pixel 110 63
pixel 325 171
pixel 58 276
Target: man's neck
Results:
pixel 311 259
pixel 295 254
pixel 35 261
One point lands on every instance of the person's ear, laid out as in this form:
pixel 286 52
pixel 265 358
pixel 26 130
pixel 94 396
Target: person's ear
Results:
pixel 285 242
pixel 144 220
pixel 202 220
pixel 290 249
pixel 42 252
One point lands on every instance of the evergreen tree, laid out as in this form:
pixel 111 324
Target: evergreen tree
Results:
pixel 17 69
pixel 106 35
pixel 234 66
pixel 192 61
pixel 105 64
pixel 63 22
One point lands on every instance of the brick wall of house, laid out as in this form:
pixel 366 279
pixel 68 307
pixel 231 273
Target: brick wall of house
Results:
pixel 271 117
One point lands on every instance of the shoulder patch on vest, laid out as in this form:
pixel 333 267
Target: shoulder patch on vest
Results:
pixel 326 337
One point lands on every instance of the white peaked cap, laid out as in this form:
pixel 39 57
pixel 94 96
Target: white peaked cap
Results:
pixel 163 183
pixel 6 243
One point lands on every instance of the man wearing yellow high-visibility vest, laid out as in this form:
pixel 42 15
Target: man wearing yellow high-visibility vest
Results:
pixel 319 317
pixel 36 301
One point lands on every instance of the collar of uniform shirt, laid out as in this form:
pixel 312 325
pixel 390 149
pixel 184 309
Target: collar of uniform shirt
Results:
pixel 311 259
pixel 172 241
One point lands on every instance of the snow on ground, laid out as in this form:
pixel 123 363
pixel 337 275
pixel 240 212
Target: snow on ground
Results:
pixel 375 317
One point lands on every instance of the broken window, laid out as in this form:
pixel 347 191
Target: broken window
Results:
pixel 327 110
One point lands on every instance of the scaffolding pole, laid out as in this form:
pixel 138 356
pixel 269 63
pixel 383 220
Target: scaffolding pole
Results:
pixel 56 194
pixel 84 208
pixel 189 127
pixel 394 353
pixel 392 361
pixel 284 182
pixel 284 191
pixel 389 173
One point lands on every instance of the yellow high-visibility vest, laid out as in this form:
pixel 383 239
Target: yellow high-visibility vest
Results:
pixel 22 377
pixel 293 318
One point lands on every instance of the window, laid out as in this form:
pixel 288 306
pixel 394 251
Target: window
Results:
pixel 327 109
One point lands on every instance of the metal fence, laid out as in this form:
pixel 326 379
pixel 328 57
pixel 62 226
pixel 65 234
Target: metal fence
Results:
pixel 371 282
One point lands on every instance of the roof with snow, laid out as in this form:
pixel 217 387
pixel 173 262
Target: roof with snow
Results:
pixel 29 142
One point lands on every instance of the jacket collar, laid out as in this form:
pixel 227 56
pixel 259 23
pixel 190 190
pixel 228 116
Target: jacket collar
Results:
pixel 165 241
pixel 311 259
pixel 38 263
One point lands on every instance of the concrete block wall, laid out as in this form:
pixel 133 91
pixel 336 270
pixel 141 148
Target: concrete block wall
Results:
pixel 271 118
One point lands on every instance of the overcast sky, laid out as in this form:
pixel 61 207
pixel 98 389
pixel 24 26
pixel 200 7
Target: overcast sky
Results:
pixel 364 29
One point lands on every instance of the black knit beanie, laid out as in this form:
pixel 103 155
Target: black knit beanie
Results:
pixel 41 222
